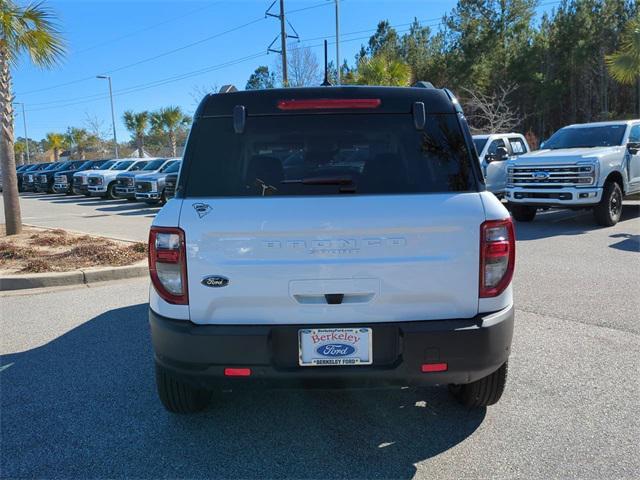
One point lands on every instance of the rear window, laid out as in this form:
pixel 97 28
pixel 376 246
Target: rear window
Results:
pixel 326 155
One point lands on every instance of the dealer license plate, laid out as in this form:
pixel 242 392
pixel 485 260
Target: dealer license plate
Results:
pixel 335 346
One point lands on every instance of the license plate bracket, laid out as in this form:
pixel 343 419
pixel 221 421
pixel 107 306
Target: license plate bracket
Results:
pixel 324 347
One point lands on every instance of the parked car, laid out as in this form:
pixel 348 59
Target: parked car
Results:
pixel 19 169
pixel 493 151
pixel 125 182
pixel 591 165
pixel 151 187
pixel 392 269
pixel 29 177
pixel 43 182
pixel 170 182
pixel 102 183
pixel 63 180
pixel 81 178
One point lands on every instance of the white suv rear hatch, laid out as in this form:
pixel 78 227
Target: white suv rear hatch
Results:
pixel 300 212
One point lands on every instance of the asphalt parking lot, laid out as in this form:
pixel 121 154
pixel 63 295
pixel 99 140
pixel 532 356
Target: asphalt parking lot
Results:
pixel 78 395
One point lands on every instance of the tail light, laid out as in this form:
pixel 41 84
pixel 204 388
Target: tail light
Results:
pixel 168 264
pixel 497 256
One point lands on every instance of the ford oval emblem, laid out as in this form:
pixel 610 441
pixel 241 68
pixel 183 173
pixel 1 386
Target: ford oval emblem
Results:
pixel 335 350
pixel 541 175
pixel 215 281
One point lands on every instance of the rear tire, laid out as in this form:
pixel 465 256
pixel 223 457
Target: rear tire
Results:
pixel 484 392
pixel 523 213
pixel 607 213
pixel 180 397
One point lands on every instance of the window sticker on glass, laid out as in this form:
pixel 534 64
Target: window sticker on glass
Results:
pixel 516 146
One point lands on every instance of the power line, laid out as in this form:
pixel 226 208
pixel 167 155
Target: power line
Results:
pixel 164 54
pixel 146 29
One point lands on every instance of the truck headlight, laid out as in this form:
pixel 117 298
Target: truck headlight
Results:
pixel 587 173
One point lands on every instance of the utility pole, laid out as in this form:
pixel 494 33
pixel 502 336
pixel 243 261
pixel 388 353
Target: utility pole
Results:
pixel 113 115
pixel 283 39
pixel 283 42
pixel 337 42
pixel 26 135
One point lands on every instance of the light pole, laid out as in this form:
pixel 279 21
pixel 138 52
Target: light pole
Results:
pixel 113 115
pixel 26 135
pixel 337 42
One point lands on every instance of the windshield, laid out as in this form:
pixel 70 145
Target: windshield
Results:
pixel 138 166
pixel 171 167
pixel 122 165
pixel 153 165
pixel 106 165
pixel 480 143
pixel 581 137
pixel 327 155
pixel 53 166
pixel 85 165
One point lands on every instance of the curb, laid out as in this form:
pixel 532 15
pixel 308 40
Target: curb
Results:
pixel 76 277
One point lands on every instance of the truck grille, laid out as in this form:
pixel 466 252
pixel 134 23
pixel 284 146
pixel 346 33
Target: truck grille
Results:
pixel 28 178
pixel 143 187
pixel 170 186
pixel 551 177
pixel 42 179
pixel 125 182
pixel 60 179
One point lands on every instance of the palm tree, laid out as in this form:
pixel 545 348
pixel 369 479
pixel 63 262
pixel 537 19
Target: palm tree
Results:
pixel 29 31
pixel 20 148
pixel 169 120
pixel 624 65
pixel 383 69
pixel 137 124
pixel 56 142
pixel 80 140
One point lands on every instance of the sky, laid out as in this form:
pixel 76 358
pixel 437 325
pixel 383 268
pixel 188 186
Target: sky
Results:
pixel 164 52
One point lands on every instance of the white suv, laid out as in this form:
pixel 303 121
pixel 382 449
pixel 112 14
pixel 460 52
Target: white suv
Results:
pixel 331 236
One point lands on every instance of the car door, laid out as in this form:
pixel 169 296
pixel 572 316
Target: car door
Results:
pixel 634 160
pixel 496 176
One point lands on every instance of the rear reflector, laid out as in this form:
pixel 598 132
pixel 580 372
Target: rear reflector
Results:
pixel 237 372
pixel 329 104
pixel 434 367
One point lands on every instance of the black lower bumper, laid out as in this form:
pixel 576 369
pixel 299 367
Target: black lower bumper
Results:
pixel 471 348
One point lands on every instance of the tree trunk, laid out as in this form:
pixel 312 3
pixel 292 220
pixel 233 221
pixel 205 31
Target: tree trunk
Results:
pixel 140 146
pixel 10 196
pixel 56 154
pixel 172 142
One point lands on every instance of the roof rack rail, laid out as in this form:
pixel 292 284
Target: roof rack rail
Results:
pixel 228 89
pixel 423 84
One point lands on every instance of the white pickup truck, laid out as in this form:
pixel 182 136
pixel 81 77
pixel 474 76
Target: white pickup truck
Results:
pixel 592 165
pixel 493 152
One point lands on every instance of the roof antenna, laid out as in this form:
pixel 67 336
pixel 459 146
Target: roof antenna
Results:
pixel 326 82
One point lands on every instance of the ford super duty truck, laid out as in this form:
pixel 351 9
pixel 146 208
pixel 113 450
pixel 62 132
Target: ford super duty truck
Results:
pixel 592 165
pixel 336 236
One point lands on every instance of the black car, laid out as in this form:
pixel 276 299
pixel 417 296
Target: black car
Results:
pixel 63 179
pixel 26 179
pixel 43 181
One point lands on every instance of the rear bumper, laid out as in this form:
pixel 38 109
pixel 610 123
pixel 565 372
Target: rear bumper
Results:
pixel 472 348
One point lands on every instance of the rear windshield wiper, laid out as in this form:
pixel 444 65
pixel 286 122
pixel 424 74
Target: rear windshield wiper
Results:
pixel 321 181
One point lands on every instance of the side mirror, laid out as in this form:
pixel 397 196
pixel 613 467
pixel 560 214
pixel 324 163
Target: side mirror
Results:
pixel 633 147
pixel 541 145
pixel 501 154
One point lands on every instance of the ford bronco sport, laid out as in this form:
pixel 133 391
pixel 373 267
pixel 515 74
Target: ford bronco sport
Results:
pixel 331 236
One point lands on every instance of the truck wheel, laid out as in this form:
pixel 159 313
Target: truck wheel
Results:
pixel 163 197
pixel 178 396
pixel 111 191
pixel 523 213
pixel 483 392
pixel 609 210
